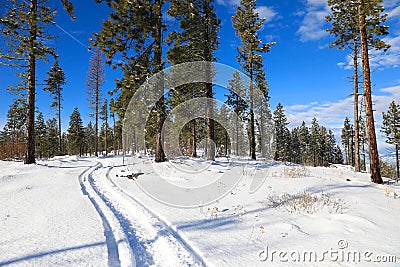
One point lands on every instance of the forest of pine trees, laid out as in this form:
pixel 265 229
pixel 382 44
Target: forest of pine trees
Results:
pixel 139 36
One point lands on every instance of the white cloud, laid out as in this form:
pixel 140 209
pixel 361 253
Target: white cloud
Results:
pixel 266 12
pixel 263 11
pixel 332 114
pixel 394 13
pixel 313 25
pixel 389 4
pixel 380 59
pixel 228 3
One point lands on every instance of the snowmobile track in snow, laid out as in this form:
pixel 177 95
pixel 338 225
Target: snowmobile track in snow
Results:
pixel 160 222
pixel 134 234
pixel 115 244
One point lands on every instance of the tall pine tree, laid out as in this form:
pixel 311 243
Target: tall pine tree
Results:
pixel 247 24
pixel 26 37
pixel 56 78
pixel 135 30
pixel 391 128
pixel 282 134
pixel 75 134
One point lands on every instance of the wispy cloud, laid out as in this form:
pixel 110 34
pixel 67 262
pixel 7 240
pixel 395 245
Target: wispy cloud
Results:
pixel 379 59
pixel 332 114
pixel 313 25
pixel 268 13
pixel 228 3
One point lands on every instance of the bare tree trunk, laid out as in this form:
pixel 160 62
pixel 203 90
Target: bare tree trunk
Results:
pixel 159 153
pixel 373 148
pixel 356 119
pixel 30 118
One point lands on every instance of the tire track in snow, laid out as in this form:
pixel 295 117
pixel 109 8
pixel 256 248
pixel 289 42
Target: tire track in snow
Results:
pixel 159 222
pixel 152 240
pixel 119 251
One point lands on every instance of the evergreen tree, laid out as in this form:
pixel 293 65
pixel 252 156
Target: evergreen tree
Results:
pixel 197 41
pixel 40 133
pixel 304 139
pixel 296 146
pixel 348 141
pixel 52 138
pixel 391 128
pixel 112 115
pixel 363 137
pixel 315 142
pixel 75 134
pixel 344 27
pixel 104 117
pixel 238 104
pixel 337 155
pixel 89 137
pixel 135 30
pixel 26 37
pixel 94 81
pixel 371 9
pixel 56 78
pixel 247 23
pixel 361 20
pixel 282 135
pixel 16 118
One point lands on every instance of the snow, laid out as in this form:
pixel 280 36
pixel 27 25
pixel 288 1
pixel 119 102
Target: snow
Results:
pixel 73 211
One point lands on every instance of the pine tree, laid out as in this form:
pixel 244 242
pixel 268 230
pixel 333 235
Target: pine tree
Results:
pixel 104 117
pixel 247 23
pixel 135 30
pixel 16 119
pixel 371 9
pixel 282 135
pixel 344 27
pixel 52 138
pixel 315 142
pixel 337 155
pixel 89 137
pixel 40 133
pixel 112 115
pixel 348 141
pixel 56 78
pixel 94 81
pixel 391 128
pixel 304 139
pixel 296 146
pixel 361 20
pixel 238 104
pixel 75 134
pixel 24 28
pixel 197 41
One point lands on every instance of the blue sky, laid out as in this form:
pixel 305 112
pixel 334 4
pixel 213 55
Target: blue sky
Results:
pixel 304 75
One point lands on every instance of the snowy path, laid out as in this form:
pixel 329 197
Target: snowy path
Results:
pixel 134 234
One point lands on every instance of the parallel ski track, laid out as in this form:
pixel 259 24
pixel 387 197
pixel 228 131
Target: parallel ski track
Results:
pixel 160 222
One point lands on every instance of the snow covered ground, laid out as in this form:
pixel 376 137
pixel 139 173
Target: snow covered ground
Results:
pixel 73 211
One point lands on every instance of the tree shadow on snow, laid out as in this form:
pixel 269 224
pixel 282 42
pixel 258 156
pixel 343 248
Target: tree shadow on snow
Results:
pixel 48 253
